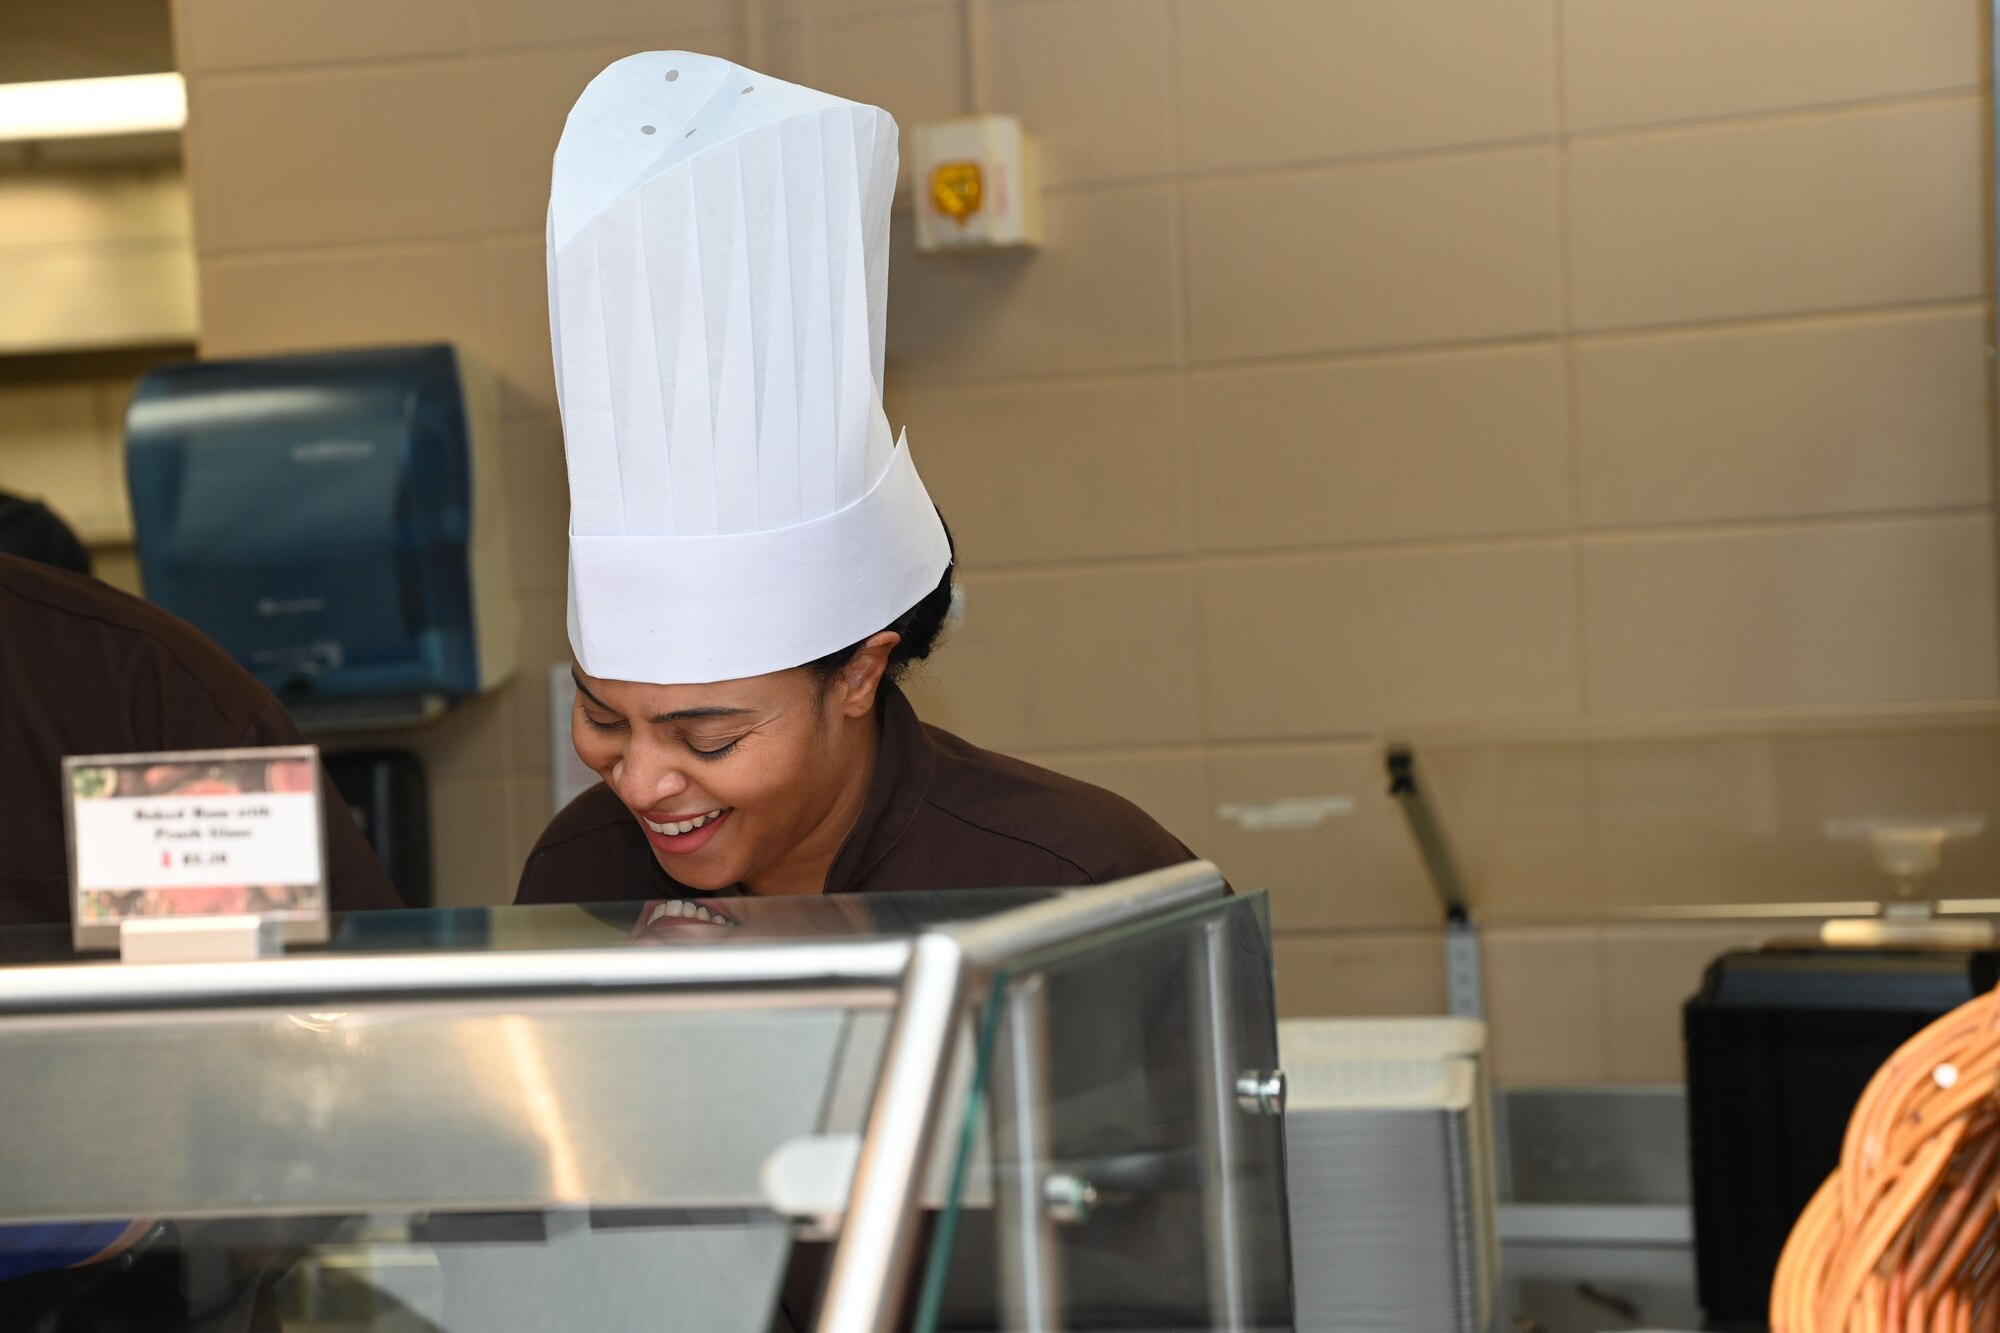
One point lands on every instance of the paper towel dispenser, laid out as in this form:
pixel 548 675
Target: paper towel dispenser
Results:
pixel 335 520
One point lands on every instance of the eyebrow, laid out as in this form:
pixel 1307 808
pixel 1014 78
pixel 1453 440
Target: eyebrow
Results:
pixel 678 715
pixel 696 714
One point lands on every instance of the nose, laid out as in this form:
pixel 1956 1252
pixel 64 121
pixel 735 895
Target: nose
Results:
pixel 644 777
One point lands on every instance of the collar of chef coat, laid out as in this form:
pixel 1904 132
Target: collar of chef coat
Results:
pixel 905 762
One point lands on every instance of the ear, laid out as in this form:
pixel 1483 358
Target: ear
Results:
pixel 856 686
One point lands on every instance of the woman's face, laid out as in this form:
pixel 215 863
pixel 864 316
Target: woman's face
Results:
pixel 752 781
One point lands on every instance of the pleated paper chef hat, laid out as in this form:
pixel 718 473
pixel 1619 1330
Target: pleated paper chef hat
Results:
pixel 718 246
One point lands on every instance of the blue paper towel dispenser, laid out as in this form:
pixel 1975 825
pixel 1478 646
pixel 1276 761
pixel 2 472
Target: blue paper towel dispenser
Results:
pixel 335 520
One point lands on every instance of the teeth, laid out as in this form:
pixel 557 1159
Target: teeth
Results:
pixel 674 828
pixel 688 911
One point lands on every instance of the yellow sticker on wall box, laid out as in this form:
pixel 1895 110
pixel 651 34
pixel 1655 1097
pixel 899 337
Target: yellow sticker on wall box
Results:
pixel 956 189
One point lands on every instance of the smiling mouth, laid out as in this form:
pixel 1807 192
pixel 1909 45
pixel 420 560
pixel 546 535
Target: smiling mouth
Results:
pixel 677 827
pixel 684 836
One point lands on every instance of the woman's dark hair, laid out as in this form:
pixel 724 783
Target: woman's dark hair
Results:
pixel 920 627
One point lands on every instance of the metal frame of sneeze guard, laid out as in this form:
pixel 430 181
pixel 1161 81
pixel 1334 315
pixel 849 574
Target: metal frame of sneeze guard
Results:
pixel 871 1260
pixel 932 982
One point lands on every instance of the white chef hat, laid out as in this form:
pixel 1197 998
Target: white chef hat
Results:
pixel 718 247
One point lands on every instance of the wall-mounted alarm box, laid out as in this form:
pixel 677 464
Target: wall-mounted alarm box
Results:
pixel 978 185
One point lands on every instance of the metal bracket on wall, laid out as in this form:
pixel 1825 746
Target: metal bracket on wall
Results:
pixel 1465 990
pixel 1464 978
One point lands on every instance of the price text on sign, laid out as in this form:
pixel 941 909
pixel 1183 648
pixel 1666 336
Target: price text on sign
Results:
pixel 166 842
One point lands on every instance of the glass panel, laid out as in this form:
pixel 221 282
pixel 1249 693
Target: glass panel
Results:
pixel 463 1164
pixel 416 1272
pixel 1130 1188
pixel 602 925
pixel 1592 820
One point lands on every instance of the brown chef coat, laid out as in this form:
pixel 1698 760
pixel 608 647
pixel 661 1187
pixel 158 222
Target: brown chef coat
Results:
pixel 940 814
pixel 86 669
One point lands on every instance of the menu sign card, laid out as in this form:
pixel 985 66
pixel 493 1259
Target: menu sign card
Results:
pixel 209 833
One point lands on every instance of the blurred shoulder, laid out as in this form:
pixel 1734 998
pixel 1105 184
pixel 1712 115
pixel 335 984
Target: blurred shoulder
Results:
pixel 1097 833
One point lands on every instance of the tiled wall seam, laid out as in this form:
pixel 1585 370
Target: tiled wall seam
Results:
pixel 1184 338
pixel 372 249
pixel 1844 107
pixel 1803 319
pixel 1183 178
pixel 1553 338
pixel 1605 534
pixel 1360 354
pixel 1245 558
pixel 1566 342
pixel 639 41
pixel 10 249
pixel 370 64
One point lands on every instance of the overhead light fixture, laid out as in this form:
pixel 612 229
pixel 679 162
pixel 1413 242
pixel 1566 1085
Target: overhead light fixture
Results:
pixel 85 108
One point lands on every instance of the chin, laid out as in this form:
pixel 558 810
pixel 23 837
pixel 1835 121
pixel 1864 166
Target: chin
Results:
pixel 681 872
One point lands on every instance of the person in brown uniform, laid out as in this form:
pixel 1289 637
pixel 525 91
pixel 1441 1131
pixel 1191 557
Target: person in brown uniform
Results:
pixel 86 669
pixel 753 557
pixel 833 785
pixel 754 560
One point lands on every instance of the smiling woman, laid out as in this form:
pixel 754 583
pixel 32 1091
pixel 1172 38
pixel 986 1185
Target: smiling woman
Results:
pixel 751 782
pixel 754 560
pixel 817 779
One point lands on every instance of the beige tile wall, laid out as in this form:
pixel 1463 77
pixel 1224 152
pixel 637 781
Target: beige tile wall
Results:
pixel 1591 1004
pixel 1386 364
pixel 97 280
pixel 62 443
pixel 94 257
